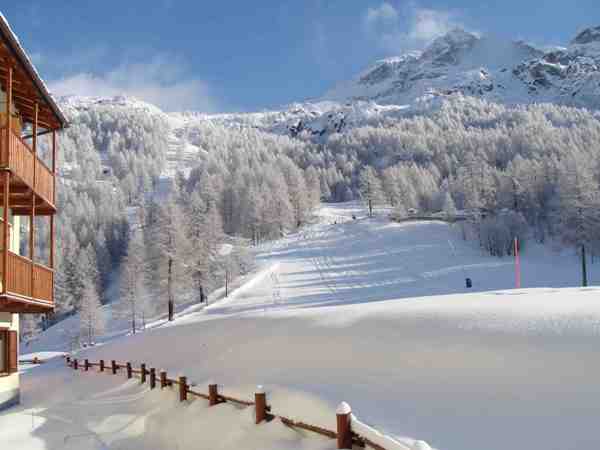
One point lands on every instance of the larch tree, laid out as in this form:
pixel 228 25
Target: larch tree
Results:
pixel 133 302
pixel 370 188
pixel 91 315
pixel 170 252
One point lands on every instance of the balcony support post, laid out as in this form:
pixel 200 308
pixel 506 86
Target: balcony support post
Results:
pixel 32 213
pixel 6 157
pixel 9 86
pixel 5 232
pixel 53 199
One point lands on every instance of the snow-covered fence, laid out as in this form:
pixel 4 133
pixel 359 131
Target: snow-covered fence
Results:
pixel 350 432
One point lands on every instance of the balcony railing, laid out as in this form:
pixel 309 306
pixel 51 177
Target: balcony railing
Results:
pixel 21 160
pixel 27 279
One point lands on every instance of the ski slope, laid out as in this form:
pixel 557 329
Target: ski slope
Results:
pixel 342 261
pixel 350 311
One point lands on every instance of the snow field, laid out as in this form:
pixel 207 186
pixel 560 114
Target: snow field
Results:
pixel 354 320
pixel 98 411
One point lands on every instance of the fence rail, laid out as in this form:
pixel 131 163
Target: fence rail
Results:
pixel 345 436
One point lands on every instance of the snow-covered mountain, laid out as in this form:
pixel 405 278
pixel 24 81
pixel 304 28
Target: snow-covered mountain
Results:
pixel 458 63
pixel 482 66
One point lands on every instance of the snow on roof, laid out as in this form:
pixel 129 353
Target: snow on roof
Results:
pixel 15 45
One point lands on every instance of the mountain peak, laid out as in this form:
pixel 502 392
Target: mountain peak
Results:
pixel 588 36
pixel 447 48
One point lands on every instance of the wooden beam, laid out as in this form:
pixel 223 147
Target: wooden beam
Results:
pixel 53 168
pixel 18 190
pixel 8 90
pixel 33 306
pixel 5 232
pixel 39 211
pixel 23 201
pixel 5 229
pixel 32 214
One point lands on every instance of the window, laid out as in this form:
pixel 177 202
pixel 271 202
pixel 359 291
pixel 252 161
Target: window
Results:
pixel 8 352
pixel 3 352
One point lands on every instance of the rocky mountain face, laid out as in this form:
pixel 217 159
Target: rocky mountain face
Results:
pixel 505 72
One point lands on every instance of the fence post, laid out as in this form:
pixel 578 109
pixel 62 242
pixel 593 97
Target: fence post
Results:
pixel 183 388
pixel 86 365
pixel 113 366
pixel 152 378
pixel 129 371
pixel 101 365
pixel 143 372
pixel 75 364
pixel 260 404
pixel 68 360
pixel 163 379
pixel 344 427
pixel 213 395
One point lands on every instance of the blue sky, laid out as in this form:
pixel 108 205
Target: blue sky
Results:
pixel 251 55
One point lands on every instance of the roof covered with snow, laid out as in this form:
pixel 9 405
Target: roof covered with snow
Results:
pixel 12 43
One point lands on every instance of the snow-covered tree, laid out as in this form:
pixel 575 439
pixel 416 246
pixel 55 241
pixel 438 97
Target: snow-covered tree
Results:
pixel 169 250
pixel 133 301
pixel 370 188
pixel 91 315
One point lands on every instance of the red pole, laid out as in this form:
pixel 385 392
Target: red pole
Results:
pixel 517 265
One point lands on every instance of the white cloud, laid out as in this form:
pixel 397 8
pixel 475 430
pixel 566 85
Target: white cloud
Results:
pixel 428 24
pixel 383 14
pixel 412 27
pixel 160 81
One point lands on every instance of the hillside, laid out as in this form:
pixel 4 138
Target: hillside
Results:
pixel 533 167
pixel 335 313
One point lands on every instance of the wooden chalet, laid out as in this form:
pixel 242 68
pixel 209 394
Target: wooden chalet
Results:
pixel 27 182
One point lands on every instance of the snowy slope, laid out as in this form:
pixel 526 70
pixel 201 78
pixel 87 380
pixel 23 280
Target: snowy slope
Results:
pixel 335 314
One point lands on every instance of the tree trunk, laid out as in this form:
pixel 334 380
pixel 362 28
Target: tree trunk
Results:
pixel 584 280
pixel 170 289
pixel 200 287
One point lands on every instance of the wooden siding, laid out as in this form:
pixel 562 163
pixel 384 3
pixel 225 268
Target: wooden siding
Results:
pixel 20 159
pixel 44 181
pixel 29 280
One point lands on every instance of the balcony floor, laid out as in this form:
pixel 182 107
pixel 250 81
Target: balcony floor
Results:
pixel 20 199
pixel 22 305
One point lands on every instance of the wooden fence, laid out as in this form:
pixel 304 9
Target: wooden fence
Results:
pixel 345 436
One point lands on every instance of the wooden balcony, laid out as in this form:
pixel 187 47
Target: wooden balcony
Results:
pixel 29 176
pixel 30 286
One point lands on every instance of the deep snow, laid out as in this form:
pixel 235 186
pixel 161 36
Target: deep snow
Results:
pixel 336 315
